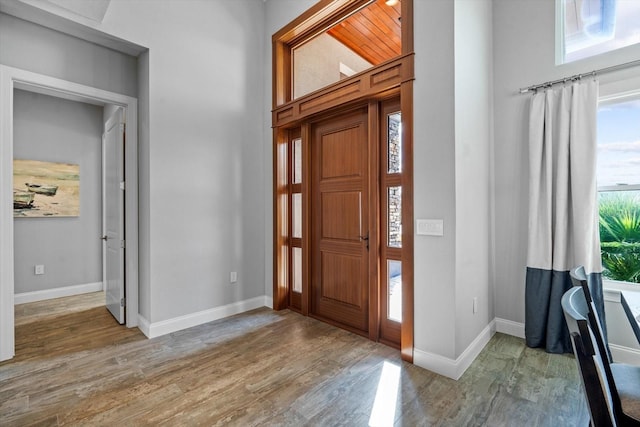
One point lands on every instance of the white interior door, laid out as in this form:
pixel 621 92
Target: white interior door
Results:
pixel 113 215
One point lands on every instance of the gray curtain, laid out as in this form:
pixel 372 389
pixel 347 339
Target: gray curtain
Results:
pixel 563 209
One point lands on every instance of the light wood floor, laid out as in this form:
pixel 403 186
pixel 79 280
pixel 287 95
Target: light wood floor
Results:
pixel 75 366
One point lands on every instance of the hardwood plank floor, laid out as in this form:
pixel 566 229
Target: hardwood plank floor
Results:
pixel 75 365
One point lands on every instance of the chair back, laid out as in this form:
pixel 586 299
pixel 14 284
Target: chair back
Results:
pixel 590 362
pixel 579 279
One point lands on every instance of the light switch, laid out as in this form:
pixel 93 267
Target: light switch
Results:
pixel 430 227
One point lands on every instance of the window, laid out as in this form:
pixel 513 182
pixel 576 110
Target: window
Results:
pixel 365 38
pixel 592 27
pixel 618 176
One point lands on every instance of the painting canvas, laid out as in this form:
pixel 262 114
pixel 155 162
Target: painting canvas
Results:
pixel 45 189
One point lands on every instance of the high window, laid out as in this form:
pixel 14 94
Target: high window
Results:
pixel 365 38
pixel 591 27
pixel 618 177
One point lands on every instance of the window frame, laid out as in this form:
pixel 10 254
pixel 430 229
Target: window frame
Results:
pixel 560 49
pixel 615 96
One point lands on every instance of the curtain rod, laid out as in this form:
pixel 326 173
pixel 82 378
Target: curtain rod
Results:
pixel 534 88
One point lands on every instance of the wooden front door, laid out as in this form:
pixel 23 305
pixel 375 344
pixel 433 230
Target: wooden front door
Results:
pixel 340 221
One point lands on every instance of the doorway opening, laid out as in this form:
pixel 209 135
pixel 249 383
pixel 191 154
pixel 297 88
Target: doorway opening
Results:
pixel 10 79
pixel 343 223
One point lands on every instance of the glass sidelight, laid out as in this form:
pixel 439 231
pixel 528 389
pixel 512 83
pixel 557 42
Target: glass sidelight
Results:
pixel 391 223
pixel 394 143
pixel 296 219
pixel 394 216
pixel 394 291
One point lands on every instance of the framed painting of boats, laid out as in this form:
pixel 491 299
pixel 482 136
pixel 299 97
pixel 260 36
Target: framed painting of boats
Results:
pixel 45 189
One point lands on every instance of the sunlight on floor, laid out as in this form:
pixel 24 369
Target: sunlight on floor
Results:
pixel 384 406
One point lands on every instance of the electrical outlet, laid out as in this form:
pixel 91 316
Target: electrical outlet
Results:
pixel 475 305
pixel 233 277
pixel 39 269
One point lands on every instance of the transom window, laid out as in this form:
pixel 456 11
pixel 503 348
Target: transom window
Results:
pixel 365 38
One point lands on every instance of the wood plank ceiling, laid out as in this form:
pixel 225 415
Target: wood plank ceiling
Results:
pixel 373 32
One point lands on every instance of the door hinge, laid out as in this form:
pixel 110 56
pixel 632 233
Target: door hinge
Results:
pixel 122 185
pixel 123 127
pixel 122 244
pixel 123 302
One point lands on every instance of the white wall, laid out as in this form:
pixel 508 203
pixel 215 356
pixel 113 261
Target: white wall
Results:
pixel 32 47
pixel 524 33
pixel 203 173
pixel 144 198
pixel 434 176
pixel 473 146
pixel 201 189
pixel 57 130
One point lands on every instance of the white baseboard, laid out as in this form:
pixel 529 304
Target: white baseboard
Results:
pixel 65 291
pixel 156 329
pixel 454 368
pixel 144 325
pixel 509 327
pixel 622 354
pixel 268 301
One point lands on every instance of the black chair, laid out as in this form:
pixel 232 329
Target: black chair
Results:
pixel 612 402
pixel 579 279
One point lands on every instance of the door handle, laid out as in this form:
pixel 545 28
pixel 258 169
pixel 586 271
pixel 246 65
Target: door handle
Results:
pixel 365 239
pixel 104 238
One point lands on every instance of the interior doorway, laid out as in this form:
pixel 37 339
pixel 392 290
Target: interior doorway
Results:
pixel 113 211
pixel 10 79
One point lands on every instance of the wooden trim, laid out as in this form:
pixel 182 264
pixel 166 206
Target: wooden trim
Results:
pixel 280 221
pixel 321 12
pixel 281 79
pixel 365 85
pixel 306 218
pixel 406 336
pixel 406 12
pixel 374 220
pixel 295 298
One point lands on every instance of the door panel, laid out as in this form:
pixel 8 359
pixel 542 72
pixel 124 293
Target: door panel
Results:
pixel 335 225
pixel 342 154
pixel 113 216
pixel 338 272
pixel 340 220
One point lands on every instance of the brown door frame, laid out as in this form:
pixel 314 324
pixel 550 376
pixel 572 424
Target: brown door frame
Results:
pixel 389 331
pixel 369 86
